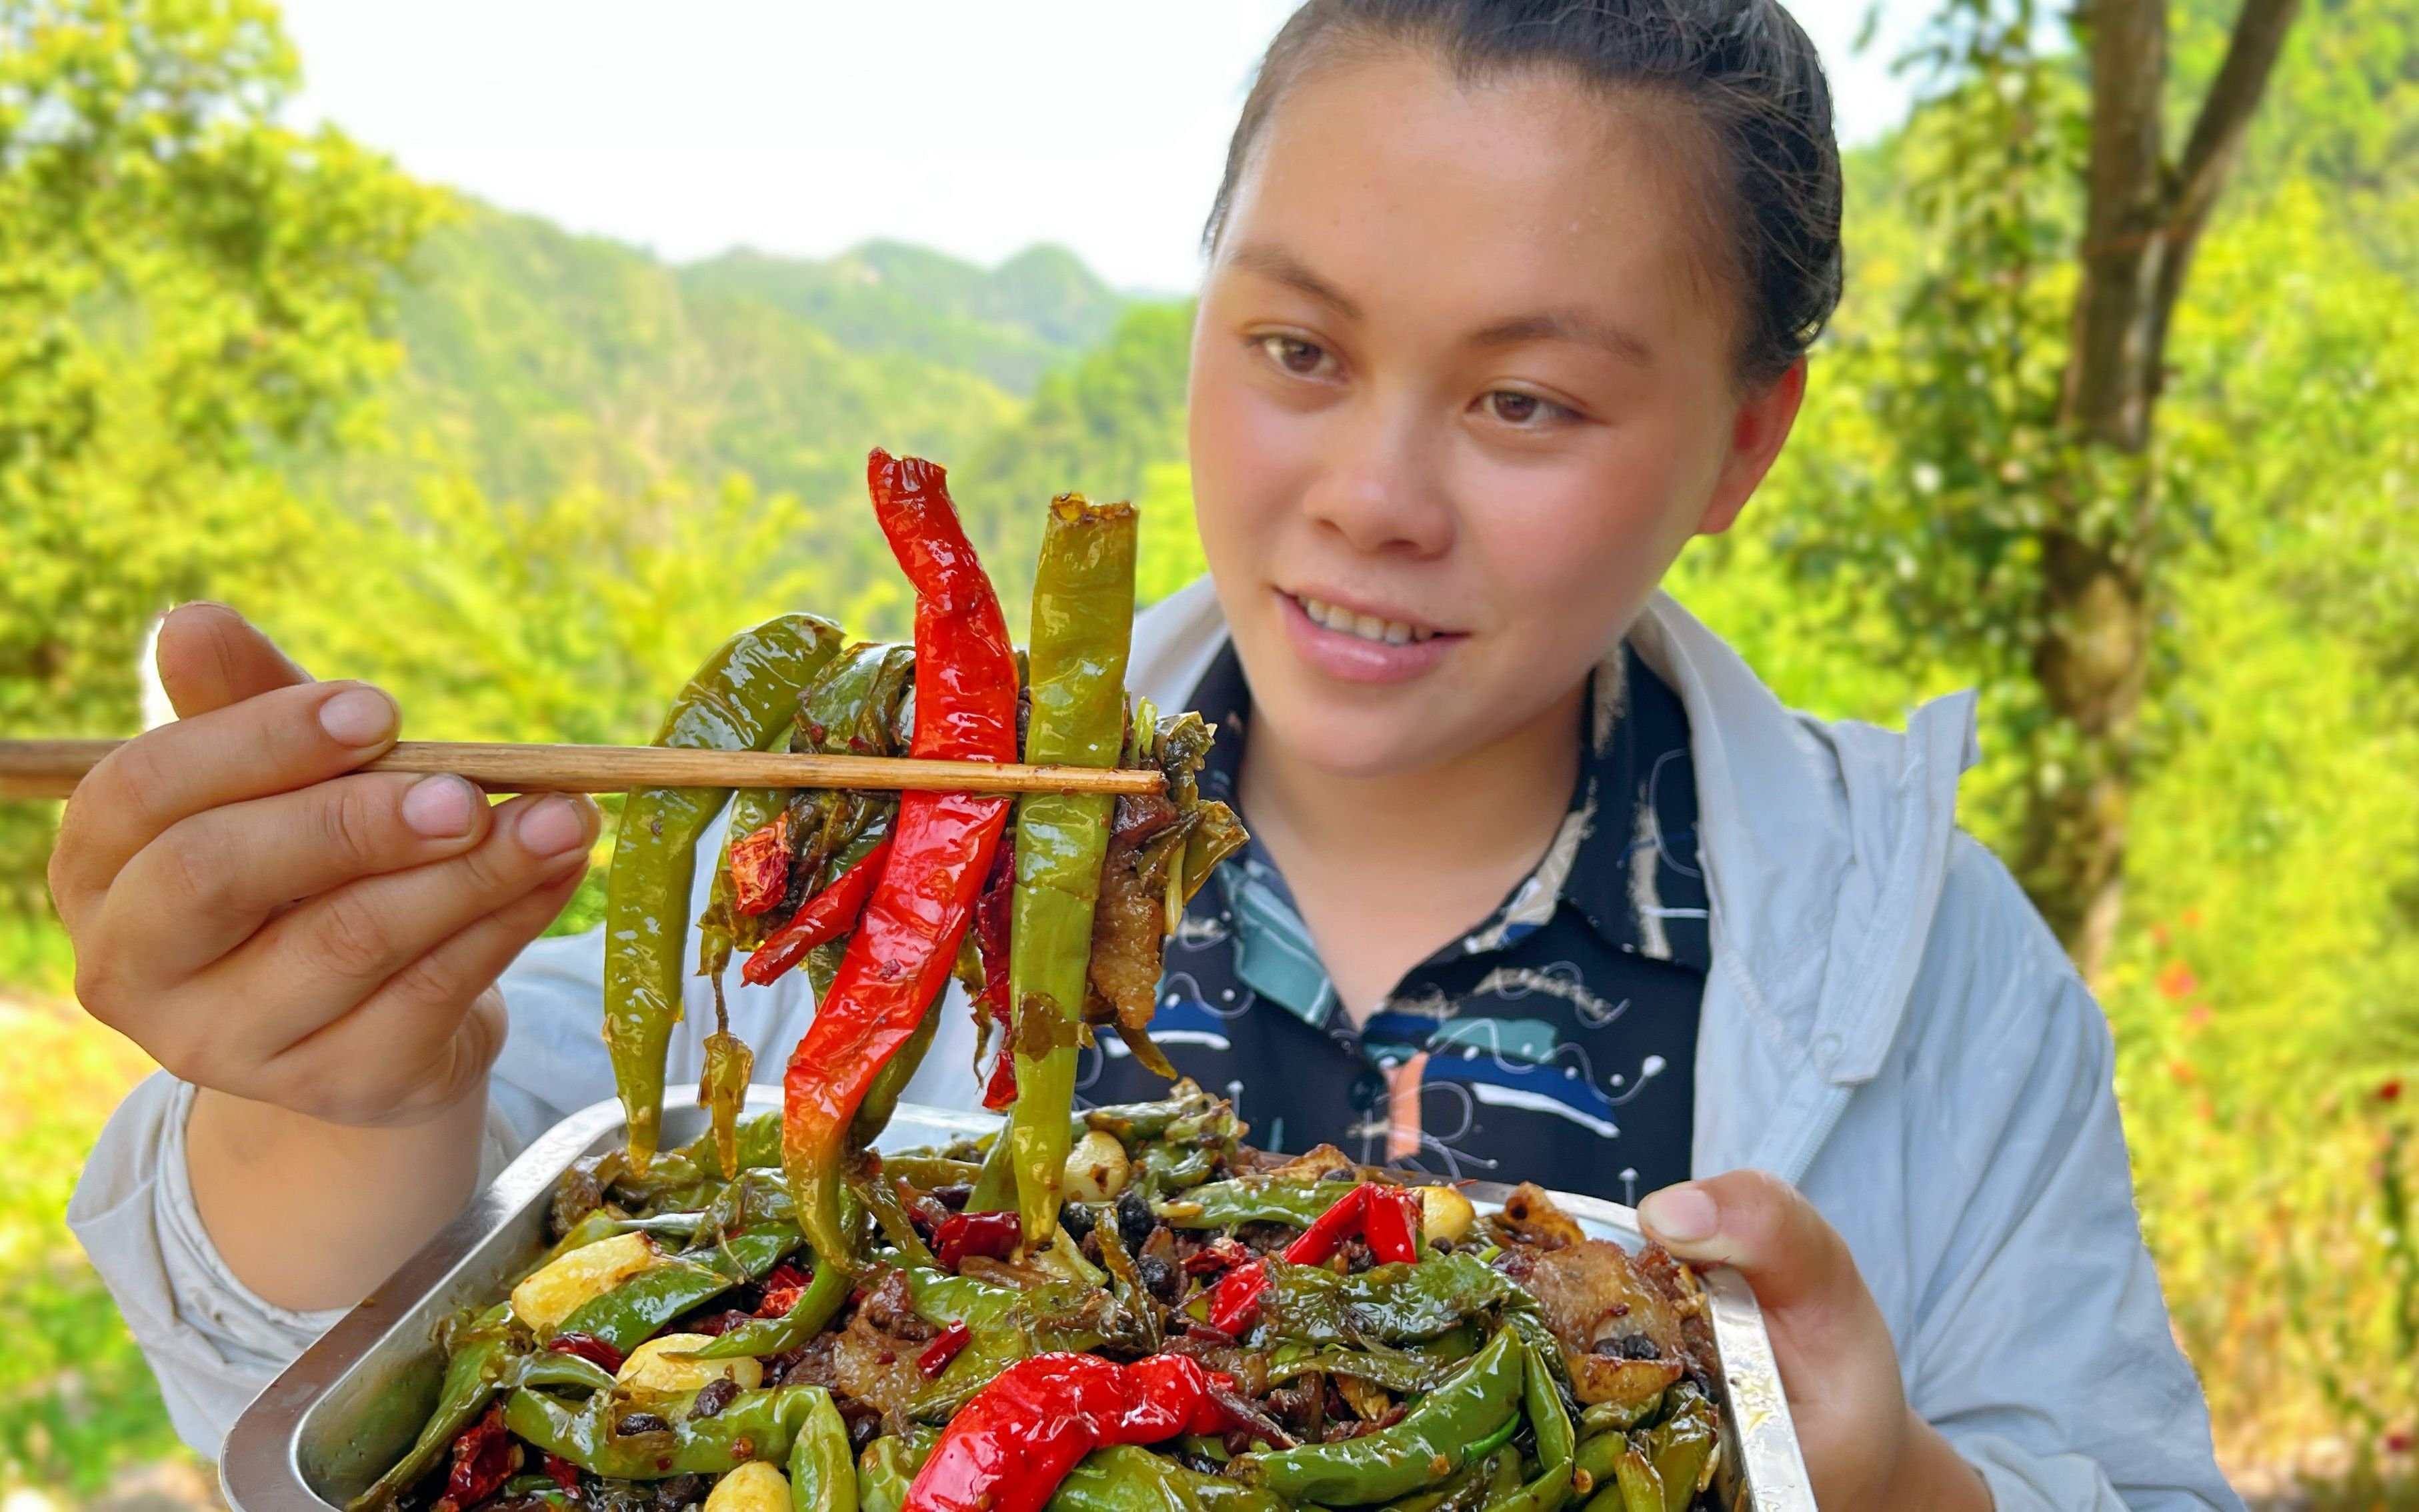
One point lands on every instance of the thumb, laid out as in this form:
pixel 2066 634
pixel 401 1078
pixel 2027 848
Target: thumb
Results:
pixel 1764 1228
pixel 211 656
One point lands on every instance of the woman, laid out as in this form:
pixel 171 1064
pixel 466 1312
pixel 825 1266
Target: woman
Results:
pixel 1506 300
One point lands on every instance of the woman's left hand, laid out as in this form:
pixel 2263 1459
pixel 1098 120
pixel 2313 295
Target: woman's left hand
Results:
pixel 1865 1447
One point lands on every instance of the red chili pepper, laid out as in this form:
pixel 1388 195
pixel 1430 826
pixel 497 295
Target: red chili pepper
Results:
pixel 938 1354
pixel 825 917
pixel 1393 1225
pixel 759 867
pixel 992 944
pixel 563 1471
pixel 589 1348
pixel 483 1458
pixel 779 1301
pixel 1000 1090
pixel 1013 1444
pixel 1235 1304
pixel 995 1234
pixel 1329 1229
pixel 1220 1252
pixel 785 1274
pixel 941 843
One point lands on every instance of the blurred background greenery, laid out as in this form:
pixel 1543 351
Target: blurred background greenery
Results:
pixel 526 479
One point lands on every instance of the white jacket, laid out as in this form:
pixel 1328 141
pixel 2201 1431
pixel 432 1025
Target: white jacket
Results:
pixel 1887 1025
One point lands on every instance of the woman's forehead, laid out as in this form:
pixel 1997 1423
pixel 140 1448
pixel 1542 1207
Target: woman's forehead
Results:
pixel 1395 185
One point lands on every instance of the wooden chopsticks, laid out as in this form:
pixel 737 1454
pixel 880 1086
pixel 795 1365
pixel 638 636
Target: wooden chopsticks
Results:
pixel 52 769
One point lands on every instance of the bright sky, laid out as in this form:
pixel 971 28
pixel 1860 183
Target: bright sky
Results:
pixel 803 127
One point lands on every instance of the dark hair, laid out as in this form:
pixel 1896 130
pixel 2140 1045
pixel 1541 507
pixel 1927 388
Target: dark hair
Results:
pixel 1745 66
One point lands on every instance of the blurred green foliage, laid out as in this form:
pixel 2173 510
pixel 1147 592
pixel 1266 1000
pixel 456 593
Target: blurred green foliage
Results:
pixel 526 480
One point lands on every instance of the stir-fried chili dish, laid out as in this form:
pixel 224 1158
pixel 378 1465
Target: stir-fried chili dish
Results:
pixel 1106 1311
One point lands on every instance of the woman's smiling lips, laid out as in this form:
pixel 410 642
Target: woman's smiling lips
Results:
pixel 1354 647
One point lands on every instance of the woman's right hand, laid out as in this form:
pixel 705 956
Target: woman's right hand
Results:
pixel 270 923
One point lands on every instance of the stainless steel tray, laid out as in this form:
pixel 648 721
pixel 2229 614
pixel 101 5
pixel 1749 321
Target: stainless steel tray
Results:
pixel 339 1416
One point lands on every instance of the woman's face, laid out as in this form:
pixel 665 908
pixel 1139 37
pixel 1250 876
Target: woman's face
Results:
pixel 1462 388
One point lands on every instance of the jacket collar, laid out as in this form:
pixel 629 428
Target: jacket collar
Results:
pixel 1825 845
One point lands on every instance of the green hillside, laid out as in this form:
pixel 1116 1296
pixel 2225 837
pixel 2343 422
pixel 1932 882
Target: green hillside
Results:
pixel 1009 323
pixel 540 361
pixel 537 364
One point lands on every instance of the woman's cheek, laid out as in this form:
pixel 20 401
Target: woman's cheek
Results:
pixel 1250 455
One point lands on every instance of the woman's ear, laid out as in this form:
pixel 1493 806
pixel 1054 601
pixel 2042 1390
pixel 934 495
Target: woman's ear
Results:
pixel 1757 431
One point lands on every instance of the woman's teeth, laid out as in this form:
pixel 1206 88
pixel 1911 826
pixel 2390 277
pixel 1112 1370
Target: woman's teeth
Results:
pixel 1366 626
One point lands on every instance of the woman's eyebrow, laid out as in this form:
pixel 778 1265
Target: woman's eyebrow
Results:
pixel 1565 325
pixel 1283 265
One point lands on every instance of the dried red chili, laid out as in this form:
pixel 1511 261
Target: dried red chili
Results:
pixel 1387 1216
pixel 1235 1304
pixel 589 1348
pixel 759 867
pixel 995 1234
pixel 824 917
pixel 938 1354
pixel 483 1456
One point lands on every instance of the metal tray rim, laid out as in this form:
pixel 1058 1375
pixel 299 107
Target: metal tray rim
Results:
pixel 260 1465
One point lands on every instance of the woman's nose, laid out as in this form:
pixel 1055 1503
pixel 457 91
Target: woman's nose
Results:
pixel 1378 489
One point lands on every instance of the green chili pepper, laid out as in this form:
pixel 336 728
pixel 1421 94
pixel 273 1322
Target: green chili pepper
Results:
pixel 1682 1446
pixel 930 1172
pixel 1007 1324
pixel 1542 1399
pixel 1250 1199
pixel 888 1467
pixel 742 699
pixel 1127 1478
pixel 482 1353
pixel 1133 1121
pixel 823 1473
pixel 1463 1493
pixel 881 1199
pixel 587 1231
pixel 1431 1441
pixel 815 1306
pixel 757 1424
pixel 1619 1416
pixel 881 1098
pixel 1083 622
pixel 759 1148
pixel 1394 1303
pixel 1600 1453
pixel 996 1182
pixel 1547 1493
pixel 1399 1372
pixel 1634 1476
pixel 554 1367
pixel 630 1313
pixel 1497 1439
pixel 1174 1167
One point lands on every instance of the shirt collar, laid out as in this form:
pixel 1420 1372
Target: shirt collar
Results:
pixel 1624 859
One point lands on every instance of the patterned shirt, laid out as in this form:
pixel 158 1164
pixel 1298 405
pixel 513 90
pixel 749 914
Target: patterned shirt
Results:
pixel 1555 1041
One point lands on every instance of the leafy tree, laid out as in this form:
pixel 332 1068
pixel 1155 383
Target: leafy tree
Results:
pixel 2019 522
pixel 184 286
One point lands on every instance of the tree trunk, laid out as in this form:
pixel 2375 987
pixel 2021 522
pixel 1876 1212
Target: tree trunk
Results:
pixel 2099 570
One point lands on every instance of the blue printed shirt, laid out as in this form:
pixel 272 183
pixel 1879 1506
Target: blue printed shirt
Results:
pixel 1553 1041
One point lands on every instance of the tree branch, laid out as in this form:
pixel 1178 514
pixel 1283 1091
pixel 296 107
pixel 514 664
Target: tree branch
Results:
pixel 2215 144
pixel 2224 120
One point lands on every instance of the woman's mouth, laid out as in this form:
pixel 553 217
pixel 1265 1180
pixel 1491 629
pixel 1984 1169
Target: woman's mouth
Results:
pixel 1343 621
pixel 1354 646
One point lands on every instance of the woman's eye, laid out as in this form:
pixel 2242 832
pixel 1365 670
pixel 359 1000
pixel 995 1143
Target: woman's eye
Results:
pixel 1294 355
pixel 1514 408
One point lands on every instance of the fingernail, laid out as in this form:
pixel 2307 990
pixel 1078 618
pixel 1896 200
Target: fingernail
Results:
pixel 358 717
pixel 552 826
pixel 1684 1214
pixel 440 807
